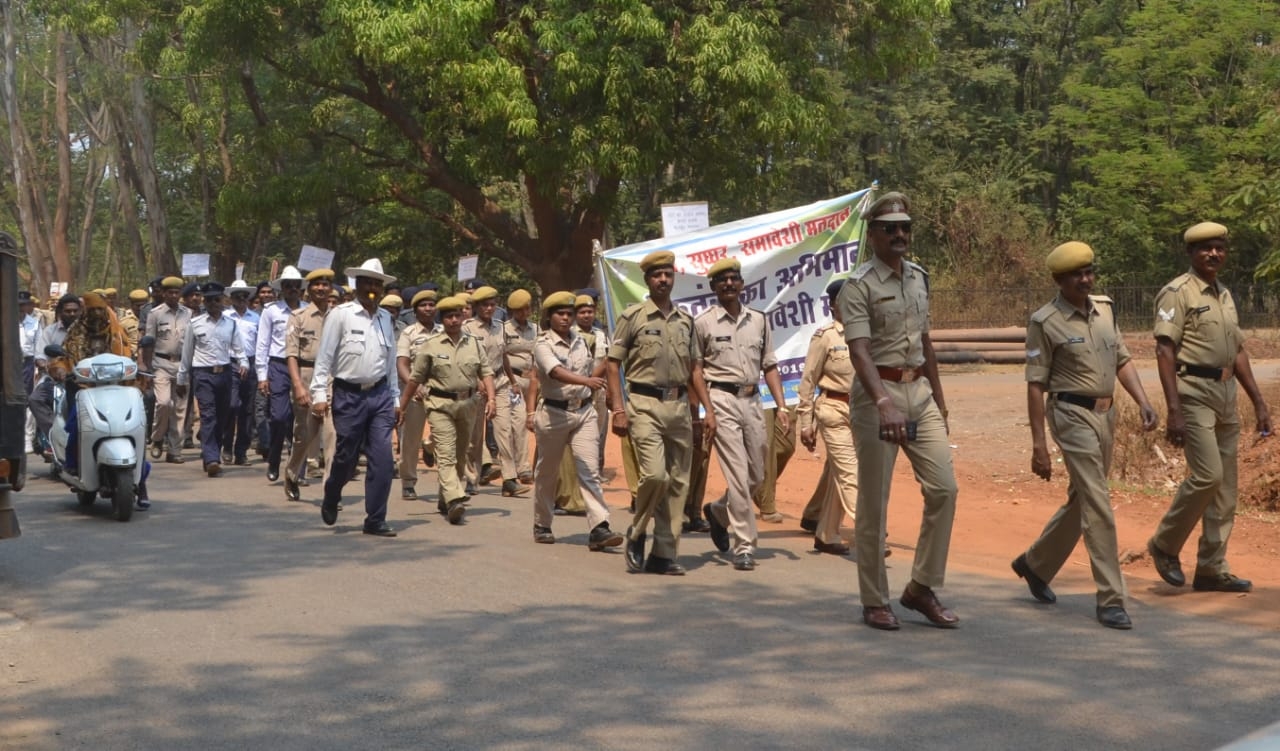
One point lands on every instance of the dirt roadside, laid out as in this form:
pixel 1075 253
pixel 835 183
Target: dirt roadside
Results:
pixel 1002 506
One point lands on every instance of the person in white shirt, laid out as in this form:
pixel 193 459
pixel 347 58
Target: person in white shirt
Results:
pixel 244 389
pixel 273 368
pixel 210 350
pixel 68 312
pixel 357 357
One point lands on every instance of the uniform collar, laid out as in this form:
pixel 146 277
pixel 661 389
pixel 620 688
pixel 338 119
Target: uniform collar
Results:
pixel 1204 284
pixel 884 271
pixel 1067 309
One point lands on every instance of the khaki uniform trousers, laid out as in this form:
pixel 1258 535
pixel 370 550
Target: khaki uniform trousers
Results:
pixel 451 423
pixel 314 432
pixel 512 436
pixel 782 447
pixel 171 412
pixel 630 468
pixel 415 420
pixel 662 434
pixel 930 458
pixel 556 430
pixel 1086 440
pixel 698 467
pixel 841 468
pixel 568 490
pixel 740 448
pixel 479 455
pixel 1208 494
pixel 824 490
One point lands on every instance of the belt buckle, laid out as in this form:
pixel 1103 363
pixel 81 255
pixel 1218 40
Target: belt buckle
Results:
pixel 670 393
pixel 367 386
pixel 744 391
pixel 909 375
pixel 1102 404
pixel 462 395
pixel 574 404
pixel 1226 374
pixel 217 369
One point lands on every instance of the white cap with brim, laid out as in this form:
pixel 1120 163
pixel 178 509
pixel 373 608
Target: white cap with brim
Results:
pixel 289 274
pixel 371 268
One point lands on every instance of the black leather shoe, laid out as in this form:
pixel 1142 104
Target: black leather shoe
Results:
pixel 241 461
pixel 489 473
pixel 471 489
pixel 602 537
pixel 174 459
pixel 291 489
pixel 880 617
pixel 697 526
pixel 382 529
pixel 428 458
pixel 442 507
pixel 543 535
pixel 809 525
pixel 1220 583
pixel 1166 565
pixel 511 488
pixel 744 562
pixel 833 548
pixel 1114 617
pixel 273 474
pixel 635 552
pixel 663 566
pixel 213 470
pixel 457 509
pixel 1039 587
pixel 926 603
pixel 329 513
pixel 719 535
pixel 408 492
pixel 142 504
pixel 188 443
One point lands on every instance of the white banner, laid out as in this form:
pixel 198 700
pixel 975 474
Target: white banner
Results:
pixel 682 218
pixel 788 258
pixel 467 268
pixel 195 264
pixel 312 258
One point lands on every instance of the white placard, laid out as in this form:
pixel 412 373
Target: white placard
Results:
pixel 679 218
pixel 57 289
pixel 239 271
pixel 312 258
pixel 195 264
pixel 467 267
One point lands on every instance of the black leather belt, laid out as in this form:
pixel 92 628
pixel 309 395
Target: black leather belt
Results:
pixel 215 369
pixel 163 356
pixel 567 405
pixel 898 375
pixel 457 396
pixel 519 372
pixel 1199 371
pixel 281 360
pixel 1094 403
pixel 666 394
pixel 839 396
pixel 305 363
pixel 734 388
pixel 358 387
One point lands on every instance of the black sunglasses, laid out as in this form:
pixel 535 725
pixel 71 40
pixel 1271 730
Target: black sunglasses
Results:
pixel 891 228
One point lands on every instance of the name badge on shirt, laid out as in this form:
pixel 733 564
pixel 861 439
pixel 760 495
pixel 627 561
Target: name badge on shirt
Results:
pixel 1201 309
pixel 653 332
pixel 886 299
pixel 724 338
pixel 442 357
pixel 1076 340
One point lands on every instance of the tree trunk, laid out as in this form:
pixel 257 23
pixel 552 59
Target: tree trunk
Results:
pixel 37 251
pixel 62 207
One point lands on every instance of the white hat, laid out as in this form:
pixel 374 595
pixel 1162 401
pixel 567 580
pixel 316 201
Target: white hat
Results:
pixel 239 285
pixel 290 273
pixel 371 268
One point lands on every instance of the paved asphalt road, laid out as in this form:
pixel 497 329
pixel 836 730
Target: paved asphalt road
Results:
pixel 228 618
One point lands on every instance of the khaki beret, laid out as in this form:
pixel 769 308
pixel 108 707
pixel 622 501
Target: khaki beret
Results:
pixel 890 207
pixel 99 291
pixel 584 301
pixel 109 291
pixel 723 265
pixel 1069 256
pixel 483 293
pixel 658 259
pixel 139 295
pixel 451 304
pixel 171 282
pixel 393 301
pixel 1204 231
pixel 465 297
pixel 519 299
pixel 558 300
pixel 426 294
pixel 320 275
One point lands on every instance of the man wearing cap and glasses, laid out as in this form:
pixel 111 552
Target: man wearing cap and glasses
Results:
pixel 1075 355
pixel 736 348
pixel 897 403
pixel 655 343
pixel 357 361
pixel 273 368
pixel 167 326
pixel 211 349
pixel 302 343
pixel 1200 356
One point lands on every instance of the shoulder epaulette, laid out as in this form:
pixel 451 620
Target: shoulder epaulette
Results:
pixel 861 271
pixel 1178 282
pixel 1044 313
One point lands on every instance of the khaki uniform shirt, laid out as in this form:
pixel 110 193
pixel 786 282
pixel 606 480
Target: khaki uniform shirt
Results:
pixel 550 352
pixel 129 322
pixel 490 340
pixel 888 309
pixel 1201 322
pixel 734 350
pixel 519 341
pixel 302 334
pixel 441 364
pixel 827 366
pixel 169 327
pixel 654 349
pixel 1075 351
pixel 410 343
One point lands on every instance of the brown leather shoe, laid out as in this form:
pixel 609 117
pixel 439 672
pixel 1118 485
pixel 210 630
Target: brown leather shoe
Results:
pixel 213 469
pixel 880 617
pixel 834 548
pixel 926 603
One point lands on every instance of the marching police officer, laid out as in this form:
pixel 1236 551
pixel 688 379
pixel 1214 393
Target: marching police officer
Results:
pixel 654 342
pixel 518 336
pixel 1200 356
pixel 244 387
pixel 1075 355
pixel 302 342
pixel 210 348
pixel 415 408
pixel 897 404
pixel 451 366
pixel 167 324
pixel 273 368
pixel 488 332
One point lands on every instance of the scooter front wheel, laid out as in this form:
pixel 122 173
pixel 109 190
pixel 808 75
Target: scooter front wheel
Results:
pixel 123 493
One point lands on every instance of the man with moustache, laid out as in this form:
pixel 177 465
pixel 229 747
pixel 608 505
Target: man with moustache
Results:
pixel 211 349
pixel 167 325
pixel 273 368
pixel 654 343
pixel 1075 355
pixel 518 336
pixel 897 404
pixel 736 348
pixel 408 345
pixel 302 343
pixel 488 332
pixel 1200 356
pixel 357 361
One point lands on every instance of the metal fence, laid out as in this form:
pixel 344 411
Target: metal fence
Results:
pixel 1258 306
